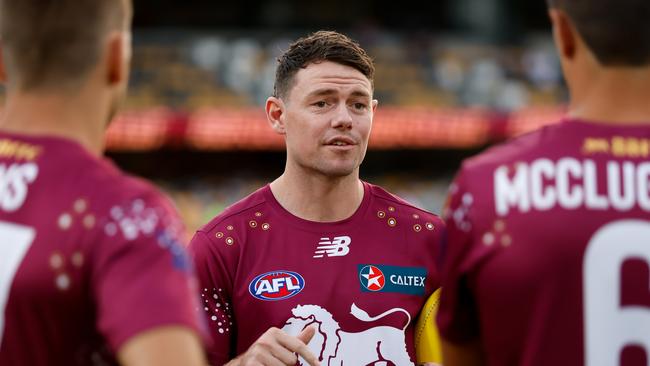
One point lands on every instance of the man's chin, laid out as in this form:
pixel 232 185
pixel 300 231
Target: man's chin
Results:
pixel 340 171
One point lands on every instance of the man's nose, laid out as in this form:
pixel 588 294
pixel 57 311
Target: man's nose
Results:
pixel 343 117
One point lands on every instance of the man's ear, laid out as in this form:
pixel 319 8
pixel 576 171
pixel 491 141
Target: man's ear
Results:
pixel 564 34
pixel 275 114
pixel 118 57
pixel 374 104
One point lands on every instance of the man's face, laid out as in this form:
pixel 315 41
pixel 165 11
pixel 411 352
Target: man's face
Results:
pixel 328 115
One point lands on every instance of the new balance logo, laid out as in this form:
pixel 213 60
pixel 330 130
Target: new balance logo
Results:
pixel 337 247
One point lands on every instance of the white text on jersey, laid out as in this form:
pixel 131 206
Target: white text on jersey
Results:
pixel 570 183
pixel 337 247
pixel 14 180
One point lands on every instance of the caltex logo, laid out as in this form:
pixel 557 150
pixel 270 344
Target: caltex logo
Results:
pixel 385 278
pixel 372 278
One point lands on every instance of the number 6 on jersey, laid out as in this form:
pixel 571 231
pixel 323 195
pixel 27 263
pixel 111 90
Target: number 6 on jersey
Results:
pixel 609 327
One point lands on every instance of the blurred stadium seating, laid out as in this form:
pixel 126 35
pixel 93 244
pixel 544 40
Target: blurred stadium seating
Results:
pixel 205 91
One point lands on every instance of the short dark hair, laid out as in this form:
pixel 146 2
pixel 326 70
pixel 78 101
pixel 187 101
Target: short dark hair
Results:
pixel 318 47
pixel 616 31
pixel 55 43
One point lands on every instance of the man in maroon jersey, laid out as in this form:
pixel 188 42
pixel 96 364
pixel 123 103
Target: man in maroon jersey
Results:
pixel 92 265
pixel 548 256
pixel 318 262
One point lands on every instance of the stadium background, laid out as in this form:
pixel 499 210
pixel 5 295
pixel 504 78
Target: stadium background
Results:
pixel 453 77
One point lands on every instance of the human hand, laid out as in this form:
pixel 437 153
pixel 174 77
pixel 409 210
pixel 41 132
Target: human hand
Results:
pixel 277 348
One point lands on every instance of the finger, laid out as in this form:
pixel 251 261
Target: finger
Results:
pixel 285 355
pixel 296 345
pixel 275 340
pixel 263 356
pixel 305 337
pixel 305 353
pixel 307 334
pixel 268 359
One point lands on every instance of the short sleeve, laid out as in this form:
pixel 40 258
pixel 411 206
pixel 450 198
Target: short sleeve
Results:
pixel 215 274
pixel 457 316
pixel 142 277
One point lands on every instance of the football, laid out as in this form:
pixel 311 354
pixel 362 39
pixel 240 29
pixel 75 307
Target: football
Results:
pixel 427 340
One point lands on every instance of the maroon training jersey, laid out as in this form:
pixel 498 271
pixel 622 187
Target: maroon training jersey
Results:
pixel 361 281
pixel 88 256
pixel 548 256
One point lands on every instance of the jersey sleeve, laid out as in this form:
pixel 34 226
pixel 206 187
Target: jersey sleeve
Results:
pixel 142 277
pixel 457 316
pixel 215 274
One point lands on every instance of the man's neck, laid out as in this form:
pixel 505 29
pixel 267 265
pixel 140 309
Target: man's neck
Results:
pixel 614 96
pixel 318 198
pixel 79 118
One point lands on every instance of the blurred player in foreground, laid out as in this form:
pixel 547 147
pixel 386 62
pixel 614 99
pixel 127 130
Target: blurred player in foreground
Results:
pixel 92 267
pixel 318 262
pixel 549 235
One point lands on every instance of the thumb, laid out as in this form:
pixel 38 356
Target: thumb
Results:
pixel 307 334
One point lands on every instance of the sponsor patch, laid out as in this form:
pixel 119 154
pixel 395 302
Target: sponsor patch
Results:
pixel 276 285
pixel 382 278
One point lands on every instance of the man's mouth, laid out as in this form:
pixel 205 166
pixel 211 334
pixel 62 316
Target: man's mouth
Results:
pixel 341 141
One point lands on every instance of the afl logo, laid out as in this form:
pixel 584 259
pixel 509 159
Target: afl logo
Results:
pixel 372 278
pixel 276 285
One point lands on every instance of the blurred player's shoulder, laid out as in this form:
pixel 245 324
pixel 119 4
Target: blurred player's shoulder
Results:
pixel 107 185
pixel 84 182
pixel 391 205
pixel 66 167
pixel 515 149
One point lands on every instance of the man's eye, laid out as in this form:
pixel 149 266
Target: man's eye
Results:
pixel 359 106
pixel 320 104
